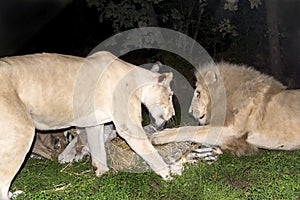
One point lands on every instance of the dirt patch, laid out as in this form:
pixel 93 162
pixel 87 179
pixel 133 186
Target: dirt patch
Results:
pixel 241 184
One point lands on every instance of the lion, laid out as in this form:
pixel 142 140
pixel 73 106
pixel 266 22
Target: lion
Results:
pixel 53 91
pixel 257 112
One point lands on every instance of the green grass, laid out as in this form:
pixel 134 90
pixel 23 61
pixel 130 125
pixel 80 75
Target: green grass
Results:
pixel 269 175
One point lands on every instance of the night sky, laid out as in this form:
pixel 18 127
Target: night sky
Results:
pixel 20 21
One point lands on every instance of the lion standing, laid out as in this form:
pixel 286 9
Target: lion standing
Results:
pixel 53 91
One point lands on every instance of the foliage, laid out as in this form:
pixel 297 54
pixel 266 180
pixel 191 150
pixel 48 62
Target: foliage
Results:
pixel 269 175
pixel 190 17
pixel 123 14
pixel 185 16
pixel 225 27
pixel 214 24
pixel 232 5
pixel 255 3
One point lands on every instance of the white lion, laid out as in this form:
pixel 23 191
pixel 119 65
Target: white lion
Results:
pixel 258 112
pixel 52 91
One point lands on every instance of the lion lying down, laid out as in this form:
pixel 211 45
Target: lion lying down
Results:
pixel 241 110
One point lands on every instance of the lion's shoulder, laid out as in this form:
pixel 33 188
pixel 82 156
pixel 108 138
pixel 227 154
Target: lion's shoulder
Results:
pixel 248 90
pixel 246 76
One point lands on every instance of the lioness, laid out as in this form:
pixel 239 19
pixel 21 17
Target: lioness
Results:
pixel 259 112
pixel 53 91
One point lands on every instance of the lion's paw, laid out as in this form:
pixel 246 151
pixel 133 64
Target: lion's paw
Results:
pixel 99 171
pixel 177 168
pixel 13 195
pixel 99 168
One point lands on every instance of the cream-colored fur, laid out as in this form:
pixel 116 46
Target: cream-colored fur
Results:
pixel 260 112
pixel 53 91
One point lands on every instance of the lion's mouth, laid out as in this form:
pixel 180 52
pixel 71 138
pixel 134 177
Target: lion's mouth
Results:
pixel 170 123
pixel 202 119
pixel 202 116
pixel 166 123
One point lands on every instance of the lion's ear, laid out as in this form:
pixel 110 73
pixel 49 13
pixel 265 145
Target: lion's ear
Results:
pixel 165 78
pixel 155 68
pixel 210 77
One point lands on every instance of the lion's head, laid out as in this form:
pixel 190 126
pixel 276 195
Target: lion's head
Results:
pixel 200 107
pixel 158 99
pixel 200 104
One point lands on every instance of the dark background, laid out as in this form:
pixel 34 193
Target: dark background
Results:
pixel 76 27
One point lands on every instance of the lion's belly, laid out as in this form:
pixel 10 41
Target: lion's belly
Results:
pixel 51 117
pixel 46 126
pixel 274 141
pixel 53 122
pixel 57 107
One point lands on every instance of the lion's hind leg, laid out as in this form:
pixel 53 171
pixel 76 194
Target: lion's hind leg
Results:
pixel 239 146
pixel 16 136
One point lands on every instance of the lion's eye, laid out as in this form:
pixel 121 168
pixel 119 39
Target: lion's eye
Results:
pixel 198 94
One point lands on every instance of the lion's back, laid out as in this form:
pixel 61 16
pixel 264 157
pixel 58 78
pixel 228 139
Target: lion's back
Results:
pixel 247 81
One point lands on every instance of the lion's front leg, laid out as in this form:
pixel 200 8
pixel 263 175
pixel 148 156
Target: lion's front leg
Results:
pixel 196 134
pixel 224 137
pixel 95 138
pixel 140 144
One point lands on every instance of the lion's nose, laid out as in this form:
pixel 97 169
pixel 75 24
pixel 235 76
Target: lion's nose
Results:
pixel 192 114
pixel 190 110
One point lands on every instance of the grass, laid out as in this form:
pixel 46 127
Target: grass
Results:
pixel 268 175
